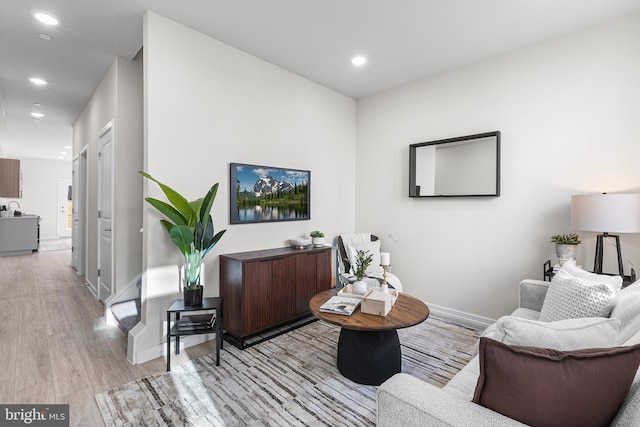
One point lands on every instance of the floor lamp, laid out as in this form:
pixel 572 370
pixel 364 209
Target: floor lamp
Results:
pixel 606 213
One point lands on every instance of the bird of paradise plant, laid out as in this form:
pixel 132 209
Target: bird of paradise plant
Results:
pixel 190 227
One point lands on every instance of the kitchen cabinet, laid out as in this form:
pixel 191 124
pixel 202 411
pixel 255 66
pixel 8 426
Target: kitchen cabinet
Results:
pixel 267 288
pixel 10 178
pixel 18 235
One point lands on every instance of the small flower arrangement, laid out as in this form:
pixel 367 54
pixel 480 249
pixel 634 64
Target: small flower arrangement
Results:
pixel 566 239
pixel 362 262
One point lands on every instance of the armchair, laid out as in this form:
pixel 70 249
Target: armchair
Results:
pixel 348 244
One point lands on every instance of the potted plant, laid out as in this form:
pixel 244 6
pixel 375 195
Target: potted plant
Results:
pixel 317 238
pixel 566 247
pixel 362 261
pixel 190 228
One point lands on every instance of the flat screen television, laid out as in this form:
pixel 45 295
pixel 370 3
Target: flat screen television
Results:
pixel 268 193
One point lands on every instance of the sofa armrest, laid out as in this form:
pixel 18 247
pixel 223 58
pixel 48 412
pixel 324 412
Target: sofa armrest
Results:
pixel 532 294
pixel 404 400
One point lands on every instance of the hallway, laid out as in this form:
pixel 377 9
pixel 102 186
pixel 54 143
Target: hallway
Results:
pixel 56 347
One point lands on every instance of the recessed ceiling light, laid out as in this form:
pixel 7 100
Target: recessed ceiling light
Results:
pixel 60 158
pixel 63 153
pixel 37 115
pixel 67 147
pixel 37 104
pixel 358 60
pixel 45 17
pixel 44 36
pixel 37 81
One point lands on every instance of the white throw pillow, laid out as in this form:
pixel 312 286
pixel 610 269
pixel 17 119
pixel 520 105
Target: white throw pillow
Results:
pixel 627 309
pixel 373 248
pixel 572 297
pixel 563 335
pixel 614 281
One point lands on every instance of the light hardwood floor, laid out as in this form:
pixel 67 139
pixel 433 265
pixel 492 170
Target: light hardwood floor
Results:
pixel 54 344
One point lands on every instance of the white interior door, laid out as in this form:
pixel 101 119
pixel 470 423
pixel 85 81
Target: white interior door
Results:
pixel 65 206
pixel 105 174
pixel 75 178
pixel 80 206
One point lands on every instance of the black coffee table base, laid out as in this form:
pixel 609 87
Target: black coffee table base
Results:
pixel 369 357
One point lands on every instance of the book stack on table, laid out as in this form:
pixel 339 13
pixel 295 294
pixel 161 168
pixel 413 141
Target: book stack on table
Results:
pixel 196 322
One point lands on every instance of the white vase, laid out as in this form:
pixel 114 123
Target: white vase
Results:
pixel 317 241
pixel 359 287
pixel 566 253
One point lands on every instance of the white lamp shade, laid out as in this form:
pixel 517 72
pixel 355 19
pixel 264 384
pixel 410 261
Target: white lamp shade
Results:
pixel 606 213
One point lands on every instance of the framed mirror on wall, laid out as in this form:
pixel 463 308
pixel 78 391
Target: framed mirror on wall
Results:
pixel 465 166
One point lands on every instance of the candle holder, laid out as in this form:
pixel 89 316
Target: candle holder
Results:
pixel 385 286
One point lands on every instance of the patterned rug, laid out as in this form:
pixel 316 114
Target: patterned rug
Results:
pixel 290 380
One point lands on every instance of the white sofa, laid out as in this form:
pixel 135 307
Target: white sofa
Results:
pixel 404 400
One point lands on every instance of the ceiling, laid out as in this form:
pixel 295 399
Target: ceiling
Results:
pixel 404 40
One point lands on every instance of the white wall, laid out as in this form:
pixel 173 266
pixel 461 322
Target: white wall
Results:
pixel 40 191
pixel 127 240
pixel 117 99
pixel 208 104
pixel 568 112
pixel 100 110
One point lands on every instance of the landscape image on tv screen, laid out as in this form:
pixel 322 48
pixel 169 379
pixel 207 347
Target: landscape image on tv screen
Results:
pixel 266 193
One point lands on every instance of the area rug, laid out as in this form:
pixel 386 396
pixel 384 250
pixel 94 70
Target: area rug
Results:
pixel 55 245
pixel 290 380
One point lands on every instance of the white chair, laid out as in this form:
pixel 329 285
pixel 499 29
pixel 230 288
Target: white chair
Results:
pixel 348 245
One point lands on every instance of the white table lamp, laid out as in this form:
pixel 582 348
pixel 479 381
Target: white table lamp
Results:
pixel 606 213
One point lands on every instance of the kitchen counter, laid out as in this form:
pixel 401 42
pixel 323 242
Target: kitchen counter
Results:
pixel 18 235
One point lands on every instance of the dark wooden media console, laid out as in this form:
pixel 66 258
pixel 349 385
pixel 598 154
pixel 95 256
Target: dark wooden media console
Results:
pixel 267 288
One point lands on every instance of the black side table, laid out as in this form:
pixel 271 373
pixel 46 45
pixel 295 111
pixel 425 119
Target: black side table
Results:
pixel 178 307
pixel 547 271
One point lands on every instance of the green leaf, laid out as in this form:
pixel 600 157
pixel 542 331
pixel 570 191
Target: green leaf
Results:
pixel 167 225
pixel 207 203
pixel 176 199
pixel 214 241
pixel 167 210
pixel 202 235
pixel 182 237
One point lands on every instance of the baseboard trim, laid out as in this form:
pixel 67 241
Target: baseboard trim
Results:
pixel 460 317
pixel 92 288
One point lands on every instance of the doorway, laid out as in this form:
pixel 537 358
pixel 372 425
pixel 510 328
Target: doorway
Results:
pixel 79 212
pixel 65 207
pixel 105 179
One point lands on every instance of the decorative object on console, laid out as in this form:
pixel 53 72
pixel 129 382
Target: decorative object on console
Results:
pixel 566 247
pixel 191 229
pixel 317 238
pixel 268 194
pixel 606 213
pixel 300 242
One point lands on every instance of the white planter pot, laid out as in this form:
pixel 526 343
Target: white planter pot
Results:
pixel 566 253
pixel 359 287
pixel 317 241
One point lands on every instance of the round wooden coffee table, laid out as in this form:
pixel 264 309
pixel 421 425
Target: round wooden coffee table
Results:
pixel 368 347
